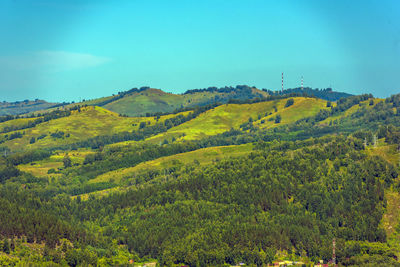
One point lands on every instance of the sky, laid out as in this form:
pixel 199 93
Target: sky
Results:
pixel 72 50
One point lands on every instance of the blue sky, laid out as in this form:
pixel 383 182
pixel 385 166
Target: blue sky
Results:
pixel 67 50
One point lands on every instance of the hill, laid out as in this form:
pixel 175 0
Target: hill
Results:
pixel 148 100
pixel 239 116
pixel 138 102
pixel 81 124
pixel 22 107
pixel 327 93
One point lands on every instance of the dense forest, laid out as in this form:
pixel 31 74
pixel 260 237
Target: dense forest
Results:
pixel 123 198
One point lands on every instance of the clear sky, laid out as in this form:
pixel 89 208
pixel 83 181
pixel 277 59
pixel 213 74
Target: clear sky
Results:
pixel 67 50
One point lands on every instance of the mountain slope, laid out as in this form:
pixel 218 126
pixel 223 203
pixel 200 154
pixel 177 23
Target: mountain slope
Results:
pixel 140 102
pixel 232 116
pixel 327 94
pixel 82 124
pixel 21 107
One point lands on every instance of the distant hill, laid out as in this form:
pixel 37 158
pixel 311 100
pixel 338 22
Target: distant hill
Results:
pixel 22 107
pixel 137 102
pixel 327 94
pixel 145 100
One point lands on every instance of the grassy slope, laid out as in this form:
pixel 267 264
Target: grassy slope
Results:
pixel 350 111
pixel 17 122
pixel 40 168
pixel 302 107
pixel 155 100
pixel 151 100
pixel 225 117
pixel 204 155
pixel 90 122
pixel 23 107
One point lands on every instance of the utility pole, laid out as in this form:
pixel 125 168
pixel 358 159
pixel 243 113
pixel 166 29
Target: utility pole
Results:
pixel 334 252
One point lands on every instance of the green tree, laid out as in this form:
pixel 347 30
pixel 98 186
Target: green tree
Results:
pixel 278 118
pixel 289 102
pixel 6 246
pixel 67 161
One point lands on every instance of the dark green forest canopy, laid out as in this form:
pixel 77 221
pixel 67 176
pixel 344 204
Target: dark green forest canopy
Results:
pixel 269 200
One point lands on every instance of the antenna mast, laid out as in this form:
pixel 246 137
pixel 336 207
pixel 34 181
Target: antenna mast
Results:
pixel 301 83
pixel 282 82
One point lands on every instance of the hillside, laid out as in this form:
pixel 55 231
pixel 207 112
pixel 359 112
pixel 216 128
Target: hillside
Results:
pixel 82 124
pixel 140 102
pixel 255 181
pixel 327 93
pixel 234 116
pixel 22 107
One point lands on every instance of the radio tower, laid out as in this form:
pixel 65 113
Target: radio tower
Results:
pixel 301 83
pixel 282 82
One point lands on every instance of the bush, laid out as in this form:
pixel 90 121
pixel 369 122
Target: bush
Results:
pixel 278 118
pixel 289 102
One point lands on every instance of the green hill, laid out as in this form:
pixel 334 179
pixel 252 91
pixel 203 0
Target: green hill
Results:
pixel 22 107
pixel 154 100
pixel 82 124
pixel 232 116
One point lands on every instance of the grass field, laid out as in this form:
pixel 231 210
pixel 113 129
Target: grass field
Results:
pixel 41 168
pixel 302 108
pixel 228 116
